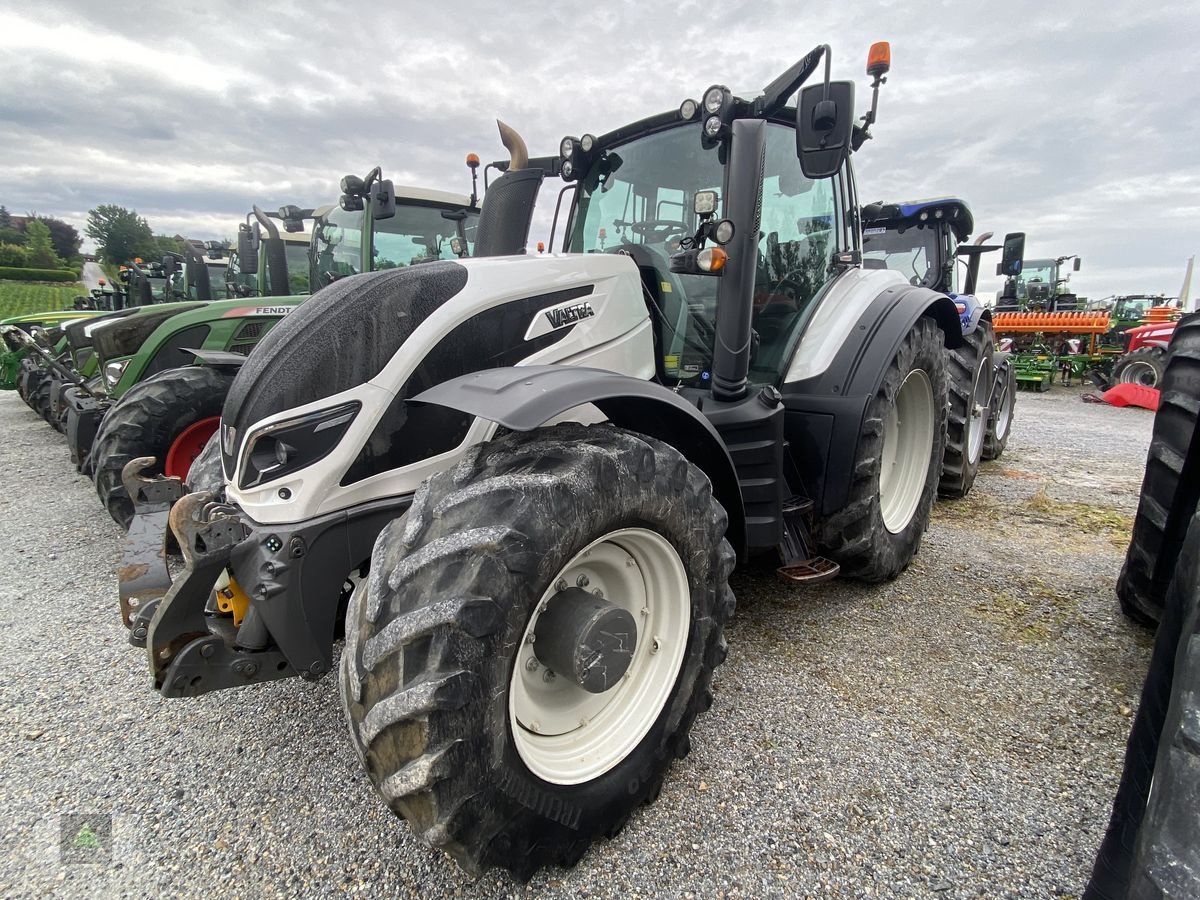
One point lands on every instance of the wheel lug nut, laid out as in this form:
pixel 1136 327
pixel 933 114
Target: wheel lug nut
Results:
pixel 598 592
pixel 561 585
pixel 654 646
pixel 531 664
pixel 548 676
pixel 583 581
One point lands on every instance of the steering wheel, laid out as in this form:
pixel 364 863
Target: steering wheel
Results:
pixel 658 229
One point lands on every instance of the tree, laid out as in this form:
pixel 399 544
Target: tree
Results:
pixel 163 244
pixel 120 234
pixel 5 218
pixel 66 240
pixel 9 232
pixel 13 255
pixel 41 250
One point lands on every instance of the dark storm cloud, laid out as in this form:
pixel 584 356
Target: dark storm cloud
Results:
pixel 1070 121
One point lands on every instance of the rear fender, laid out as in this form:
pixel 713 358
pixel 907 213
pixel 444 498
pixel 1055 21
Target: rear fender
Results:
pixel 522 398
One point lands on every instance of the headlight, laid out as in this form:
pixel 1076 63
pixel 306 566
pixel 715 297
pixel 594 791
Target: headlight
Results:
pixel 567 147
pixel 712 126
pixel 712 99
pixel 285 447
pixel 587 142
pixel 688 109
pixel 113 372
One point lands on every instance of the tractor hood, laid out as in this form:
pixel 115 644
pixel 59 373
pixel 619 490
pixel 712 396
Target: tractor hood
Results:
pixel 343 336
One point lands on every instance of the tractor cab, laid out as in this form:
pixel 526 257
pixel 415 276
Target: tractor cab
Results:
pixel 736 214
pixel 268 262
pixel 1040 286
pixel 145 281
pixel 377 226
pixel 198 272
pixel 919 239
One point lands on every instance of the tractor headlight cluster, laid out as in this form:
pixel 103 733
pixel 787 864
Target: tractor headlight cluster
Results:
pixel 113 372
pixel 285 447
pixel 353 191
pixel 576 155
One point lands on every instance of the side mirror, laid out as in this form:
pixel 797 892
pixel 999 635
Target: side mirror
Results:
pixel 1014 252
pixel 383 200
pixel 248 249
pixel 1077 262
pixel 168 265
pixel 824 125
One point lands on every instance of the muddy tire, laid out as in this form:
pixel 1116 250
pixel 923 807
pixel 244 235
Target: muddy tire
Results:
pixel 1001 408
pixel 438 670
pixel 1171 485
pixel 150 420
pixel 972 376
pixel 1144 366
pixel 876 535
pixel 1150 848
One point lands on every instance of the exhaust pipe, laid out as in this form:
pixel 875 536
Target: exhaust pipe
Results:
pixel 518 153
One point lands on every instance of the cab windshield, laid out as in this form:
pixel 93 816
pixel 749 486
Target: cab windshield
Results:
pixel 216 281
pixel 297 266
pixel 639 200
pixel 1041 277
pixel 911 251
pixel 414 235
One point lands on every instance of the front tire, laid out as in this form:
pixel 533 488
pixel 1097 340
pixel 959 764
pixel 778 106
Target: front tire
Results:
pixel 152 417
pixel 438 654
pixel 1143 366
pixel 971 378
pixel 898 464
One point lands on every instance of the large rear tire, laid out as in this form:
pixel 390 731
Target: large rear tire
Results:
pixel 1171 485
pixel 897 465
pixel 972 375
pixel 1143 366
pixel 39 398
pixel 148 421
pixel 1001 408
pixel 451 710
pixel 1150 848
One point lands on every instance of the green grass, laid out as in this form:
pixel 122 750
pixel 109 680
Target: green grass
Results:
pixel 18 298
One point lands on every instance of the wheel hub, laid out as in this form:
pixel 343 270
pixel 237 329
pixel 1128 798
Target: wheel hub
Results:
pixel 586 638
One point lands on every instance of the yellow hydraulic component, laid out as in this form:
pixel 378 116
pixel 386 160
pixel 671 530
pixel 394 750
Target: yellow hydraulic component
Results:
pixel 1075 322
pixel 231 598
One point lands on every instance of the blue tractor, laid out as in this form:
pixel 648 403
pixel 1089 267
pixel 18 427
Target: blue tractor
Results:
pixel 926 241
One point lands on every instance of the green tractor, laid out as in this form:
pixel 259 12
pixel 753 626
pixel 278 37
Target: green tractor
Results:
pixel 1040 286
pixel 164 400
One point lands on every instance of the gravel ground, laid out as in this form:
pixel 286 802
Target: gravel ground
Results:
pixel 956 733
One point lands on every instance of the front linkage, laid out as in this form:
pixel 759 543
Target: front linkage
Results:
pixel 276 613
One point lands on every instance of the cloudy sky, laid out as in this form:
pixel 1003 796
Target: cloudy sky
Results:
pixel 1074 121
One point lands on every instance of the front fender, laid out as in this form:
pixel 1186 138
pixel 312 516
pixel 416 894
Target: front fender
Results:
pixel 522 398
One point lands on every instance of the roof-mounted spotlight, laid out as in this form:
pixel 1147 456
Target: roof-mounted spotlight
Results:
pixel 352 184
pixel 717 108
pixel 689 109
pixel 576 156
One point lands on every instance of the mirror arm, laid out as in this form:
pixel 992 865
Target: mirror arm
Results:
pixel 775 95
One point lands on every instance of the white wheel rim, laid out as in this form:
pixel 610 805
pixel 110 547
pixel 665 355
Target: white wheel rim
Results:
pixel 563 733
pixel 977 414
pixel 1004 414
pixel 907 446
pixel 1139 372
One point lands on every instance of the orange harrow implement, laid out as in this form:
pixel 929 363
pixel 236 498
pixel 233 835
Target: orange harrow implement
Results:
pixel 1085 322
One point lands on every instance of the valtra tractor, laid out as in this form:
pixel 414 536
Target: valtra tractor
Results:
pixel 551 464
pixel 170 411
pixel 924 240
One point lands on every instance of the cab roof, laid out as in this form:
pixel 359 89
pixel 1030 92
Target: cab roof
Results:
pixel 908 212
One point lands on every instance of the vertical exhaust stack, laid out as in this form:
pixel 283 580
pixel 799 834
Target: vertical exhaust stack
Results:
pixel 735 295
pixel 507 211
